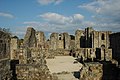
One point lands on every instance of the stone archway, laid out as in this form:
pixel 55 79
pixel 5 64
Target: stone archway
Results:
pixel 102 46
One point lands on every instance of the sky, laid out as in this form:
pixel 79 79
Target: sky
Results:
pixel 59 15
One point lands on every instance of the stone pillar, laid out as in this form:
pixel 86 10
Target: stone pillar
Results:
pixel 13 47
pixel 66 40
pixel 103 54
pixel 95 39
pixel 108 39
pixel 88 35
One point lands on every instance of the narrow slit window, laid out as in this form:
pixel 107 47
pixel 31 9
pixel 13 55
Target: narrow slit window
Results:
pixel 103 36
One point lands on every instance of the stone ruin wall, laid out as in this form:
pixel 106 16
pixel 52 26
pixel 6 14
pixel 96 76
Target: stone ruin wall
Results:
pixel 33 72
pixel 92 71
pixel 54 41
pixel 40 37
pixel 86 42
pixel 5 73
pixel 35 68
pixel 61 44
pixel 93 40
pixel 13 48
pixel 30 39
pixel 98 41
pixel 115 45
pixel 79 34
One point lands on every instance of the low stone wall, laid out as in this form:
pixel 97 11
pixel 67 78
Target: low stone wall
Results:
pixel 33 72
pixel 5 73
pixel 91 71
pixel 59 52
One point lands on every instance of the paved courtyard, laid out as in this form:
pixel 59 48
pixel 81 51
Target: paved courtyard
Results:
pixel 64 64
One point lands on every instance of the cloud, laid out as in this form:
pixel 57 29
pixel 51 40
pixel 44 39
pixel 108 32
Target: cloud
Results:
pixel 106 13
pixel 94 6
pixel 107 9
pixel 54 22
pixel 78 17
pixel 7 15
pixel 46 2
pixel 56 18
pixel 61 19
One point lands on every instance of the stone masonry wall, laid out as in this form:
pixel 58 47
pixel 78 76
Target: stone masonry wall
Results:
pixel 5 73
pixel 91 71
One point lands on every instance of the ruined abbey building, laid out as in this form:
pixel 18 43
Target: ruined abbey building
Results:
pixel 87 43
pixel 27 57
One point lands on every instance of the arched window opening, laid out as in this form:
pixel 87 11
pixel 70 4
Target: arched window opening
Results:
pixel 103 46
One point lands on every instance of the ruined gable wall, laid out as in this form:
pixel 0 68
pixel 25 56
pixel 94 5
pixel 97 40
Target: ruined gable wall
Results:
pixel 30 38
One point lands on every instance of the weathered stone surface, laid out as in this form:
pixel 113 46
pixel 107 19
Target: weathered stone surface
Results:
pixel 79 39
pixel 5 73
pixel 4 45
pixel 40 39
pixel 91 43
pixel 36 69
pixel 115 45
pixel 30 38
pixel 13 47
pixel 54 41
pixel 91 71
pixel 88 44
pixel 66 40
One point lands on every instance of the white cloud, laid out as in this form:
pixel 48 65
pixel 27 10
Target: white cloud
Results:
pixel 46 2
pixel 7 15
pixel 106 13
pixel 88 24
pixel 61 19
pixel 94 6
pixel 78 17
pixel 55 18
pixel 55 22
